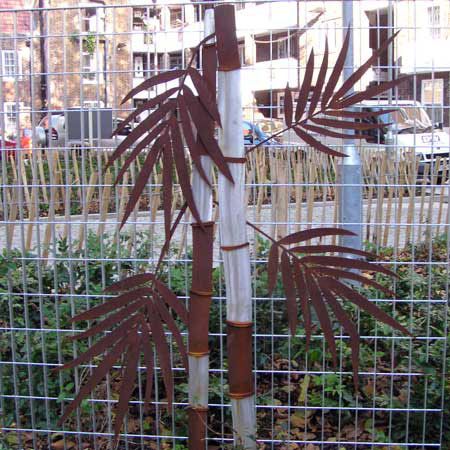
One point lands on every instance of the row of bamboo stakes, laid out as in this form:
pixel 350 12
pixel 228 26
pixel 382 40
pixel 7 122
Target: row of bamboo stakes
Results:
pixel 297 185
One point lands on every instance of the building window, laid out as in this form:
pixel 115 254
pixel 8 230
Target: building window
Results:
pixel 93 19
pixel 434 21
pixel 90 68
pixel 241 49
pixel 11 63
pixel 176 17
pixel 175 61
pixel 11 115
pixel 432 98
pixel 240 4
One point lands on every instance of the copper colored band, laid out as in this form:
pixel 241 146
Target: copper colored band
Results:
pixel 202 224
pixel 227 44
pixel 239 349
pixel 239 396
pixel 198 354
pixel 229 248
pixel 233 323
pixel 199 408
pixel 232 159
pixel 201 293
pixel 197 428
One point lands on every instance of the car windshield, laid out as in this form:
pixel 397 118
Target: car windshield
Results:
pixel 408 117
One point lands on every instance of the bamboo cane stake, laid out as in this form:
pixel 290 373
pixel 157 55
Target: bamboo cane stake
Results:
pixel 411 177
pixel 380 200
pixel 401 192
pixel 122 203
pixel 233 235
pixel 298 180
pixel 429 229
pixel 86 203
pixel 426 172
pixel 12 216
pixel 106 194
pixel 371 181
pixel 390 165
pixel 441 195
pixel 77 174
pixel 42 175
pixel 31 217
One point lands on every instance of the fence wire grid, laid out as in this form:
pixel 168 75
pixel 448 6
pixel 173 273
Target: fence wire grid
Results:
pixel 65 67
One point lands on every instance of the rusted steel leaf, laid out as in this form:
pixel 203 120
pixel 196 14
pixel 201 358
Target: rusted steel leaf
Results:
pixel 346 125
pixel 370 92
pixel 330 248
pixel 322 314
pixel 359 73
pixel 330 133
pixel 316 144
pixel 139 147
pixel 171 299
pixel 288 106
pixel 201 121
pixel 112 304
pixel 100 346
pixel 128 379
pixel 320 81
pixel 305 235
pixel 306 87
pixel 183 175
pixel 142 179
pixel 350 294
pixel 289 289
pixel 350 263
pixel 153 81
pixel 352 276
pixel 110 321
pixel 194 150
pixel 207 98
pixel 97 375
pixel 358 114
pixel 167 160
pixel 162 350
pixel 144 127
pixel 272 267
pixel 147 350
pixel 348 326
pixel 168 320
pixel 303 294
pixel 145 107
pixel 336 73
pixel 130 282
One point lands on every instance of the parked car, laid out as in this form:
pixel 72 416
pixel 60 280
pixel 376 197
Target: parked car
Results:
pixel 7 146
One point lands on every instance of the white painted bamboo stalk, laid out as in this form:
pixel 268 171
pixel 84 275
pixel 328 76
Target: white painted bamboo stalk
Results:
pixel 233 231
pixel 199 365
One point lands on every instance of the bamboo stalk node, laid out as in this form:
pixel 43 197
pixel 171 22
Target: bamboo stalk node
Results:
pixel 202 224
pixel 229 248
pixel 236 324
pixel 235 159
pixel 201 293
pixel 197 354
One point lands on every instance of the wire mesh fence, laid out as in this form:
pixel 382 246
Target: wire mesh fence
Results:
pixel 65 67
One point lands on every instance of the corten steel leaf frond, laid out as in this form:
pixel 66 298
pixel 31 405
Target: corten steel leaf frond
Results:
pixel 314 279
pixel 324 99
pixel 174 114
pixel 134 325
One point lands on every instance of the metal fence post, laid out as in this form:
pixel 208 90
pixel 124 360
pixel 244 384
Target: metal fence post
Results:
pixel 349 171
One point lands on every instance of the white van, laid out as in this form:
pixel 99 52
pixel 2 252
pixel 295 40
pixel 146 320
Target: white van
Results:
pixel 411 129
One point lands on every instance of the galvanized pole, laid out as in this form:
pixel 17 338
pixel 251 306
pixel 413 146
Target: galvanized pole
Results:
pixel 349 171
